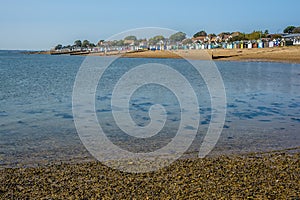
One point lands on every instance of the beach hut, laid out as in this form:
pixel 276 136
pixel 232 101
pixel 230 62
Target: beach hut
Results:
pixel 249 45
pixel 224 45
pixel 230 46
pixel 271 44
pixel 254 45
pixel 235 45
pixel 266 43
pixel 282 42
pixel 260 44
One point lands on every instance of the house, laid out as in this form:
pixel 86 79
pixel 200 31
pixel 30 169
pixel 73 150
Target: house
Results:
pixel 129 42
pixel 143 44
pixel 293 39
pixel 200 39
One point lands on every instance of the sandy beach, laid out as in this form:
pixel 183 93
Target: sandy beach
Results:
pixel 289 54
pixel 276 54
pixel 273 175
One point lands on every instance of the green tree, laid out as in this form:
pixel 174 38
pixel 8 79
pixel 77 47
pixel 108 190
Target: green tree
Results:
pixel 266 32
pixel 156 39
pixel 178 37
pixel 118 43
pixel 58 47
pixel 100 42
pixel 255 35
pixel 200 33
pixel 92 45
pixel 67 47
pixel 289 29
pixel 85 43
pixel 78 43
pixel 187 41
pixel 239 37
pixel 276 36
pixel 130 37
pixel 296 30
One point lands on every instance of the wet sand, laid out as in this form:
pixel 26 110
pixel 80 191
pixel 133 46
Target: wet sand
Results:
pixel 273 175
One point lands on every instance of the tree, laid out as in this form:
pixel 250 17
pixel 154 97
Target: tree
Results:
pixel 296 30
pixel 67 47
pixel 118 43
pixel 200 33
pixel 289 29
pixel 78 43
pixel 58 47
pixel 178 37
pixel 85 43
pixel 187 41
pixel 223 34
pixel 255 35
pixel 156 39
pixel 100 42
pixel 130 37
pixel 266 32
pixel 276 36
pixel 239 37
pixel 92 45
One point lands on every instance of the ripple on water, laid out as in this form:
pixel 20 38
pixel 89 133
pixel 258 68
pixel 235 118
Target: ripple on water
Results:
pixel 3 114
pixel 64 115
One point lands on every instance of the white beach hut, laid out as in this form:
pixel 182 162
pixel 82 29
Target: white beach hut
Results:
pixel 249 45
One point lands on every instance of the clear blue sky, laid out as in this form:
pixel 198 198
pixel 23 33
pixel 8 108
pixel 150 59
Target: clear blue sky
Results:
pixel 41 24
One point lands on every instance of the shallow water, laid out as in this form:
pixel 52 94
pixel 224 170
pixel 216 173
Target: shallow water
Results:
pixel 36 120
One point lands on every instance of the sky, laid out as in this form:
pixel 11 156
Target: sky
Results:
pixel 41 25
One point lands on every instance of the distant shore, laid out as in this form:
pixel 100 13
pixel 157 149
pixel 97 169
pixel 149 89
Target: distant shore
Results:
pixel 289 54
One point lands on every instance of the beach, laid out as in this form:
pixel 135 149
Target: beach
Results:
pixel 259 120
pixel 276 54
pixel 288 54
pixel 272 175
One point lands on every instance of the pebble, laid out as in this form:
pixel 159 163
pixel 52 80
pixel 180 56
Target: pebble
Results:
pixel 258 176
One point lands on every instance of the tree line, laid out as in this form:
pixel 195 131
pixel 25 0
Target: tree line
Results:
pixel 77 44
pixel 181 37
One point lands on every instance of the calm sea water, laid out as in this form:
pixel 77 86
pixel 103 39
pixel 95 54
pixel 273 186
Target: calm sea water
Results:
pixel 36 121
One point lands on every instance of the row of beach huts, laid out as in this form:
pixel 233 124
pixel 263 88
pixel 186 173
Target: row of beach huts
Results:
pixel 286 40
pixel 194 43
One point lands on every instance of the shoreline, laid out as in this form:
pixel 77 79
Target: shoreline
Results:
pixel 289 54
pixel 277 54
pixel 272 175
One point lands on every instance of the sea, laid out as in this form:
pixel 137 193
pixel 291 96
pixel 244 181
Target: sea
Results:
pixel 37 125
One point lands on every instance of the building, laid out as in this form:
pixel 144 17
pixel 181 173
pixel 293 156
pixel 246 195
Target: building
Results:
pixel 292 39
